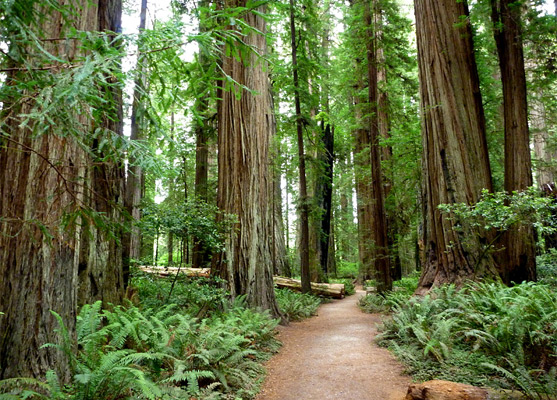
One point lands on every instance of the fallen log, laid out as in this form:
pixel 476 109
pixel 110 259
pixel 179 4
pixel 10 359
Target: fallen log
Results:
pixel 334 290
pixel 167 271
pixel 446 390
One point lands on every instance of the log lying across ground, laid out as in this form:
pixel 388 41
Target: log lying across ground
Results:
pixel 334 290
pixel 167 271
pixel 445 390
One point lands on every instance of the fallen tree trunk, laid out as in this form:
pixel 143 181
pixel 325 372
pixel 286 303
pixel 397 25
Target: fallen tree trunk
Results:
pixel 167 271
pixel 445 390
pixel 334 290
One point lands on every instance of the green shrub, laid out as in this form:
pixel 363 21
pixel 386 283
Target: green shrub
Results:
pixel 347 270
pixel 133 353
pixel 402 290
pixel 296 305
pixel 485 334
pixel 547 268
pixel 192 295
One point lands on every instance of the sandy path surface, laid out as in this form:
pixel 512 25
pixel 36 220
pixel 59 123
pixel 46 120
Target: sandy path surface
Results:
pixel 333 356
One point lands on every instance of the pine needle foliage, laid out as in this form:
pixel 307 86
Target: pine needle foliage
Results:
pixel 485 334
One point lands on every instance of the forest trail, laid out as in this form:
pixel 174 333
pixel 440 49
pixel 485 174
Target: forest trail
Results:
pixel 333 356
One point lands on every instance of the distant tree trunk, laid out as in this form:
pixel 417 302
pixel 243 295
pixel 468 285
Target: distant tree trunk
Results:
pixel 304 212
pixel 170 249
pixel 244 179
pixel 281 266
pixel 455 159
pixel 518 261
pixel 332 260
pixel 43 179
pixel 280 260
pixel 545 156
pixel 134 190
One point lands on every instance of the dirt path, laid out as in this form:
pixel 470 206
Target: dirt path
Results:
pixel 332 356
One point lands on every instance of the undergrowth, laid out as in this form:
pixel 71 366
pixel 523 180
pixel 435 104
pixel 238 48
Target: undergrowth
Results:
pixel 186 340
pixel 296 305
pixel 401 293
pixel 486 334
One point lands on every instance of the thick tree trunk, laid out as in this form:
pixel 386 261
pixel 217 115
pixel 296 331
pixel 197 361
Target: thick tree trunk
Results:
pixel 43 179
pixel 518 262
pixel 379 222
pixel 304 212
pixel 455 159
pixel 101 272
pixel 245 182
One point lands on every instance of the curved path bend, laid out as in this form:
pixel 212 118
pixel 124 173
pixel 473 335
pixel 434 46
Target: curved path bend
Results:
pixel 333 356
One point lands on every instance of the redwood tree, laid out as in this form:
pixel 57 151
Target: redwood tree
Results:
pixel 57 189
pixel 379 223
pixel 244 177
pixel 455 159
pixel 518 261
pixel 304 202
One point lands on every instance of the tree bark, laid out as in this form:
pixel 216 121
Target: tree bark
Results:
pixel 134 190
pixel 44 178
pixel 455 160
pixel 519 258
pixel 201 256
pixel 362 170
pixel 244 179
pixel 379 222
pixel 280 260
pixel 101 267
pixel 304 212
pixel 384 123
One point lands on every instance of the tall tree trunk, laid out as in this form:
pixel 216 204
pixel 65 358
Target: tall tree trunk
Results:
pixel 304 212
pixel 201 255
pixel 519 258
pixel 384 123
pixel 379 222
pixel 244 179
pixel 101 267
pixel 134 189
pixel 43 179
pixel 455 159
pixel 362 169
pixel 326 196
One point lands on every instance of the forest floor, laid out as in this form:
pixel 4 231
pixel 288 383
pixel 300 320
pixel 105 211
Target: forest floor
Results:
pixel 333 356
